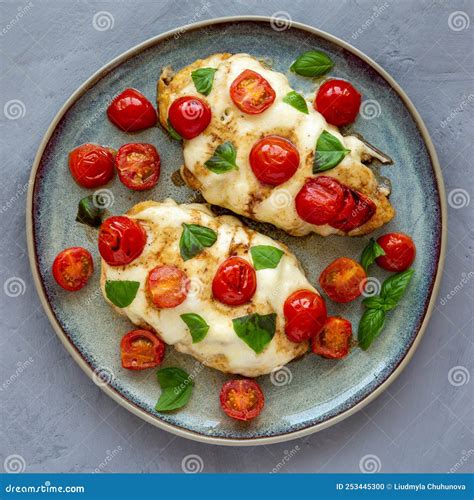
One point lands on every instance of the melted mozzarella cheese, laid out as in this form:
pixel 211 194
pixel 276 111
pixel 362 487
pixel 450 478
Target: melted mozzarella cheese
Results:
pixel 221 348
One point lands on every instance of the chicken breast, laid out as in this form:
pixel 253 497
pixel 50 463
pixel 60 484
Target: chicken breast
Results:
pixel 239 190
pixel 221 348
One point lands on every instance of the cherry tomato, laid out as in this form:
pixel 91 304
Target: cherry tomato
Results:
pixel 72 268
pixel 121 240
pixel 274 160
pixel 333 341
pixel 399 251
pixel 141 349
pixel 189 116
pixel 343 280
pixel 338 101
pixel 138 166
pixel 320 200
pixel 357 210
pixel 251 93
pixel 168 286
pixel 242 399
pixel 305 313
pixel 91 165
pixel 131 111
pixel 235 282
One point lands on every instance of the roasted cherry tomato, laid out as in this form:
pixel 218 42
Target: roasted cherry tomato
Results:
pixel 189 116
pixel 72 268
pixel 242 399
pixel 235 282
pixel 399 251
pixel 333 341
pixel 320 200
pixel 131 111
pixel 251 93
pixel 121 240
pixel 167 285
pixel 141 349
pixel 338 101
pixel 305 313
pixel 357 209
pixel 91 165
pixel 274 160
pixel 343 280
pixel 138 166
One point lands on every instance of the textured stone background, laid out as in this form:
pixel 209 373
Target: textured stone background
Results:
pixel 57 420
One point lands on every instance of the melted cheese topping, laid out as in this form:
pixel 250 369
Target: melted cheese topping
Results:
pixel 221 348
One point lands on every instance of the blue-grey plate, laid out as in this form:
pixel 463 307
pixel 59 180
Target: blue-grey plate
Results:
pixel 311 393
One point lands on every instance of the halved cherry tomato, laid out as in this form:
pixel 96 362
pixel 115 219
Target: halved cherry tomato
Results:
pixel 357 210
pixel 338 101
pixel 141 349
pixel 235 282
pixel 167 285
pixel 121 240
pixel 400 252
pixel 242 399
pixel 320 200
pixel 343 280
pixel 91 165
pixel 131 111
pixel 138 166
pixel 305 313
pixel 189 116
pixel 333 341
pixel 72 268
pixel 274 160
pixel 251 93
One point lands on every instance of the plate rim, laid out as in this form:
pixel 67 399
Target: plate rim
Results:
pixel 81 361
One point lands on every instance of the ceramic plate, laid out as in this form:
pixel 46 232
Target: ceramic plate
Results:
pixel 311 393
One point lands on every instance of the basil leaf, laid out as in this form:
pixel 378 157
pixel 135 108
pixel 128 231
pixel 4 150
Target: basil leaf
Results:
pixel 265 256
pixel 89 213
pixel 197 326
pixel 329 152
pixel 172 132
pixel 297 101
pixel 121 293
pixel 370 253
pixel 203 79
pixel 194 239
pixel 312 63
pixel 377 303
pixel 223 159
pixel 394 287
pixel 370 326
pixel 256 330
pixel 177 387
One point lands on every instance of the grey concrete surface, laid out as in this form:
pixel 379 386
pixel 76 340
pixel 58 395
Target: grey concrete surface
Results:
pixel 54 419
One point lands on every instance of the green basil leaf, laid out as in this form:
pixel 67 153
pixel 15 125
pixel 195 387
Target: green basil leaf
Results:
pixel 223 159
pixel 256 330
pixel 172 132
pixel 194 239
pixel 370 326
pixel 265 256
pixel 197 326
pixel 297 101
pixel 171 377
pixel 370 253
pixel 329 152
pixel 312 63
pixel 121 293
pixel 377 302
pixel 170 399
pixel 176 386
pixel 394 287
pixel 90 213
pixel 203 79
